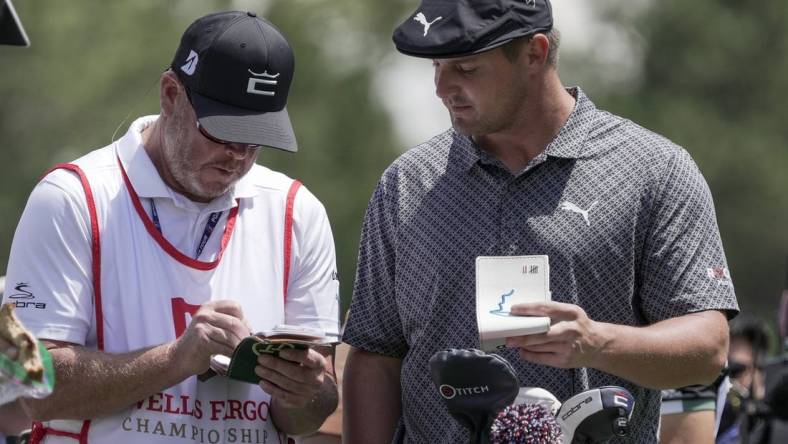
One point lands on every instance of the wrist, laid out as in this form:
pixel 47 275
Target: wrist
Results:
pixel 604 339
pixel 175 362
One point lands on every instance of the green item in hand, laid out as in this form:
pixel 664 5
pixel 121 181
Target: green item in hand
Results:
pixel 244 357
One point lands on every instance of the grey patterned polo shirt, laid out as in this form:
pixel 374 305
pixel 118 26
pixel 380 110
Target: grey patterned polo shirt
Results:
pixel 624 214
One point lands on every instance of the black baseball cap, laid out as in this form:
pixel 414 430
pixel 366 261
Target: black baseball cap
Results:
pixel 11 30
pixel 238 68
pixel 456 28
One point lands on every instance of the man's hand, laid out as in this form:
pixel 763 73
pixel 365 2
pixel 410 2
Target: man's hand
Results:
pixel 217 328
pixel 302 387
pixel 295 378
pixel 675 352
pixel 573 341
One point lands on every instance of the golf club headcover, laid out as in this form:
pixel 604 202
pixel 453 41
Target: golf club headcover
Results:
pixel 475 386
pixel 540 396
pixel 596 415
pixel 526 423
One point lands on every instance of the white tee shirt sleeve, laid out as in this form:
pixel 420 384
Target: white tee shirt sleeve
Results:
pixel 313 290
pixel 51 260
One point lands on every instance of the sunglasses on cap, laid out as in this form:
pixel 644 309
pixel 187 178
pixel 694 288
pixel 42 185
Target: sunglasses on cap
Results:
pixel 208 135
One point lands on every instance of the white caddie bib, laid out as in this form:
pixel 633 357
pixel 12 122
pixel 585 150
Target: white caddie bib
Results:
pixel 145 292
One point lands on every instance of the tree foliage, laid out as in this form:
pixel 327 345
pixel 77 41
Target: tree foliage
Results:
pixel 713 78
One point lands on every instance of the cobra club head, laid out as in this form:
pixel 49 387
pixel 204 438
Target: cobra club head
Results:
pixel 475 387
pixel 539 396
pixel 595 416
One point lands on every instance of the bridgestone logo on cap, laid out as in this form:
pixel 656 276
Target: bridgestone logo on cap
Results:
pixel 191 63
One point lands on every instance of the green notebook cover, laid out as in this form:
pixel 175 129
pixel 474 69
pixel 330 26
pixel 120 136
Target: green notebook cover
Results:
pixel 244 358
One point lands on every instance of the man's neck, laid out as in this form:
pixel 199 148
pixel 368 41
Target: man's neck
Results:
pixel 542 118
pixel 152 141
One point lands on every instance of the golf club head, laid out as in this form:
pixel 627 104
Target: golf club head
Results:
pixel 596 415
pixel 539 396
pixel 474 385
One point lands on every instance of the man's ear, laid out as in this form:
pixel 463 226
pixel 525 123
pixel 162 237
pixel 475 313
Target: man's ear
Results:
pixel 169 90
pixel 538 48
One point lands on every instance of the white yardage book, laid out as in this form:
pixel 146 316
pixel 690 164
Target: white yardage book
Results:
pixel 502 281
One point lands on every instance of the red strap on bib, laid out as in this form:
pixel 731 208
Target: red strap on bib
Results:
pixel 288 235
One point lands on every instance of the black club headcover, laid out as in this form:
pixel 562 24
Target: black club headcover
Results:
pixel 475 387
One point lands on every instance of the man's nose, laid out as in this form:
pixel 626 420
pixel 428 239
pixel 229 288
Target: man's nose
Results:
pixel 237 151
pixel 444 84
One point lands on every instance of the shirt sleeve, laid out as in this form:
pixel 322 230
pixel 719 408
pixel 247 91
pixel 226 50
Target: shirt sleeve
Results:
pixel 684 268
pixel 373 321
pixel 313 288
pixel 49 269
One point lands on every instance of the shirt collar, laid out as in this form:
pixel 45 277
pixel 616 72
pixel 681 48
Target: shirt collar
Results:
pixel 569 143
pixel 147 182
pixel 464 153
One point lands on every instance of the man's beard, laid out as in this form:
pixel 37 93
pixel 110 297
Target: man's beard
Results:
pixel 502 118
pixel 482 125
pixel 177 153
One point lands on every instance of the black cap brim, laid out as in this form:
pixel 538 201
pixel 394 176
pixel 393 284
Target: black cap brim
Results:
pixel 447 29
pixel 272 129
pixel 436 53
pixel 11 30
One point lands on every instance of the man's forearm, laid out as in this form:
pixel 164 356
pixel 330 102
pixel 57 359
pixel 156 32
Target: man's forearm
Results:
pixel 686 350
pixel 371 403
pixel 91 383
pixel 307 419
pixel 12 419
pixel 687 427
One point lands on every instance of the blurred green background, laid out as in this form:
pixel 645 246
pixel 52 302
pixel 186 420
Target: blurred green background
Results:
pixel 710 75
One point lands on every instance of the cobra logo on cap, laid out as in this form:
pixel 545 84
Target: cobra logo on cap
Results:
pixel 262 80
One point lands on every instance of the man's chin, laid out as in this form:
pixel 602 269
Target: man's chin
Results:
pixel 461 126
pixel 465 129
pixel 475 128
pixel 213 193
pixel 210 192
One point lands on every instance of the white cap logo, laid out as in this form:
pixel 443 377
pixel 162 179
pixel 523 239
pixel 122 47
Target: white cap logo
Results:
pixel 191 63
pixel 422 19
pixel 255 84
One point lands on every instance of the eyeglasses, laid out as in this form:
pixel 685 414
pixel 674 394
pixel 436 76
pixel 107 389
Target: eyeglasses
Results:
pixel 208 135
